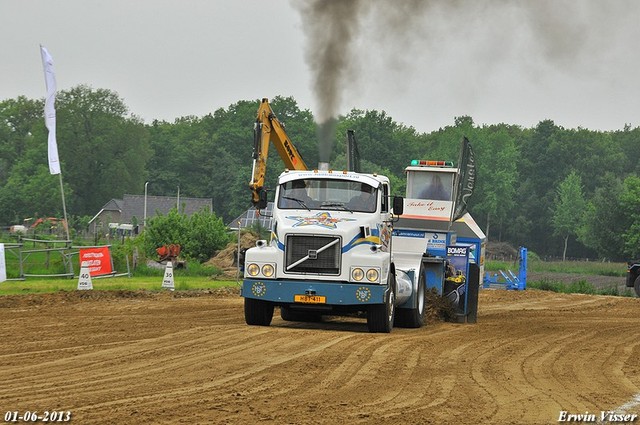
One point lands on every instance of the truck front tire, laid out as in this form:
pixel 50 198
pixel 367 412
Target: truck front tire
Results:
pixel 258 312
pixel 636 286
pixel 380 317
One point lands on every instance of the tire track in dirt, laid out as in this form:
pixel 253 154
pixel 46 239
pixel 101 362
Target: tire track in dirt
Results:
pixel 135 359
pixel 247 374
pixel 177 360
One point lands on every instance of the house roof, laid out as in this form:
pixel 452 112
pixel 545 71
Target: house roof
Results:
pixel 112 205
pixel 134 206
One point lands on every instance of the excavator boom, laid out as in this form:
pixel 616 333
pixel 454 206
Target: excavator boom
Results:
pixel 269 129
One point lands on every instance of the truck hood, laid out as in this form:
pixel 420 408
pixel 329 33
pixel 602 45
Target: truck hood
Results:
pixel 355 229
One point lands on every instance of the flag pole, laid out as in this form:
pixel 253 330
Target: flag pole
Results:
pixel 64 209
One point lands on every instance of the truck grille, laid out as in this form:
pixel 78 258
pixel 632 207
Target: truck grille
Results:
pixel 312 254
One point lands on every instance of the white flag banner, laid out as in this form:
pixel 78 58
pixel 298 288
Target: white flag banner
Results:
pixel 50 110
pixel 3 264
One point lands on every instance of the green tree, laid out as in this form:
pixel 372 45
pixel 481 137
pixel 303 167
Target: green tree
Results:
pixel 540 173
pixel 199 236
pixel 211 156
pixel 31 192
pixel 568 209
pixel 630 204
pixel 628 139
pixel 496 155
pixel 381 140
pixel 207 234
pixel 103 152
pixel 18 117
pixel 604 220
pixel 26 187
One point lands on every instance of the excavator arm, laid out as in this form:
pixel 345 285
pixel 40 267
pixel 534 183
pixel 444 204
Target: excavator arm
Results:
pixel 267 128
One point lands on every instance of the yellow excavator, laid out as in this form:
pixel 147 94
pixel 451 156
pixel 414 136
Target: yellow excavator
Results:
pixel 268 129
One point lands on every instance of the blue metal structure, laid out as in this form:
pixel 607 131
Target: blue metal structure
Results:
pixel 508 280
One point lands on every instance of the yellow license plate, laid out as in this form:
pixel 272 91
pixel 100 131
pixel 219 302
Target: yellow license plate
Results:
pixel 310 299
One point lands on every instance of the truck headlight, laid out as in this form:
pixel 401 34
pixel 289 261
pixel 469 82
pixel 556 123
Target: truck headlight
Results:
pixel 357 274
pixel 373 275
pixel 253 269
pixel 267 270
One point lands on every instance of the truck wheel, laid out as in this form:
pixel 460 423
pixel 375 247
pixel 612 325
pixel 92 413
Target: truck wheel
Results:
pixel 298 316
pixel 380 316
pixel 636 286
pixel 257 312
pixel 413 318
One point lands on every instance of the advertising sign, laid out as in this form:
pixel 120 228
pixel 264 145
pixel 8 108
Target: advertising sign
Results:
pixel 98 259
pixel 456 283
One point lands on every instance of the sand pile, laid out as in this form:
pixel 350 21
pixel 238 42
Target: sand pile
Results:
pixel 226 260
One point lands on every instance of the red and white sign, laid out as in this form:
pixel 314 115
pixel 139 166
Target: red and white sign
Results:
pixel 97 259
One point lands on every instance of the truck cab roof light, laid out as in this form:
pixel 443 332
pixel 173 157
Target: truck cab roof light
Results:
pixel 430 163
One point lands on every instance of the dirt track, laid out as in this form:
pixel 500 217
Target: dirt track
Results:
pixel 166 358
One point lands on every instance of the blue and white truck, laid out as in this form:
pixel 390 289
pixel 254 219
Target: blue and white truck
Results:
pixel 341 244
pixel 330 255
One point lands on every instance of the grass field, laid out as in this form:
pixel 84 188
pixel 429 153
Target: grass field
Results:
pixel 150 283
pixel 578 267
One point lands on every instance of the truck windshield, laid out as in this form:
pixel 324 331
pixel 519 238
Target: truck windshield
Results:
pixel 318 194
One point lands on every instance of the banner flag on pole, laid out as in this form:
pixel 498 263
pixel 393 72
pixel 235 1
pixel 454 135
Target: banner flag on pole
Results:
pixel 3 264
pixel 50 110
pixel 465 180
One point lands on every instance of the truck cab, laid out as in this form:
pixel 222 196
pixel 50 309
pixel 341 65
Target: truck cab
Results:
pixel 329 251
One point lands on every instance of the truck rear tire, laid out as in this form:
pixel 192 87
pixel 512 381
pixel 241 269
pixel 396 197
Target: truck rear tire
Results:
pixel 257 312
pixel 380 316
pixel 636 286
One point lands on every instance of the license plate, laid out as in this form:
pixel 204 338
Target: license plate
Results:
pixel 310 299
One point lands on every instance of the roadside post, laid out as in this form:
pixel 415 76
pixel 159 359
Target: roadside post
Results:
pixel 84 280
pixel 167 281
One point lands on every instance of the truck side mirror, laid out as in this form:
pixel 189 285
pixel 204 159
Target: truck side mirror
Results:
pixel 398 205
pixel 262 202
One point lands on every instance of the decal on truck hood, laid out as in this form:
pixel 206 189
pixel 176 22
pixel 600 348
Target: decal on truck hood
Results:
pixel 374 239
pixel 322 219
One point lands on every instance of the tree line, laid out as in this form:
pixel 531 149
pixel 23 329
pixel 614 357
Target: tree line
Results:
pixel 557 191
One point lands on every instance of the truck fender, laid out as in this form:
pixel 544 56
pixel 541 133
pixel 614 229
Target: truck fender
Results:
pixel 404 287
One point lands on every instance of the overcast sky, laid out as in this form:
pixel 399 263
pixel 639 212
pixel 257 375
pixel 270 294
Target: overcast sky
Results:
pixel 423 62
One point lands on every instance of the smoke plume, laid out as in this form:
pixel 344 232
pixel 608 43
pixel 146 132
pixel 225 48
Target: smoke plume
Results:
pixel 331 27
pixel 349 42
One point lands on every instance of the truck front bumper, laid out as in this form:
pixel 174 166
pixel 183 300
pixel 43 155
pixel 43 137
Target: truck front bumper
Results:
pixel 313 292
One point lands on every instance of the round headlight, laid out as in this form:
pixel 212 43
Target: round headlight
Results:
pixel 372 275
pixel 267 270
pixel 357 274
pixel 253 269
